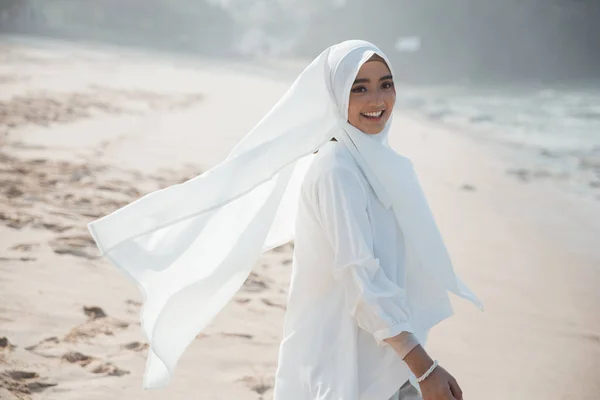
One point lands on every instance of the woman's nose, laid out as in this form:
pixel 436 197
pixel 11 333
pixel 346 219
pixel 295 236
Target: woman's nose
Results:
pixel 376 99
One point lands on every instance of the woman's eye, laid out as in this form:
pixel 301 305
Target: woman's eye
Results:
pixel 358 89
pixel 387 85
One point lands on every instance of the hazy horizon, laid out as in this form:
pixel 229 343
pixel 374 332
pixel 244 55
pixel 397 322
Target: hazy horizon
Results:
pixel 465 41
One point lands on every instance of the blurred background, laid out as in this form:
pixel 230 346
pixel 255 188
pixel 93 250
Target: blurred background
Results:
pixel 525 72
pixel 463 40
pixel 103 101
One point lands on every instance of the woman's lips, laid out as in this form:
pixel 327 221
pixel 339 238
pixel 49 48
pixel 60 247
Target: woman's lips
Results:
pixel 374 119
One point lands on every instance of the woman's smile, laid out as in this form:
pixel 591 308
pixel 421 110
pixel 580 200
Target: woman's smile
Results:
pixel 373 116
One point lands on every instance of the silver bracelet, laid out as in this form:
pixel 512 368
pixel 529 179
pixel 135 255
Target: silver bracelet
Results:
pixel 428 372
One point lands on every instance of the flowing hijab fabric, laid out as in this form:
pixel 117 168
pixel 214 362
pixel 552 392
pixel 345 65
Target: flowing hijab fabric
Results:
pixel 191 246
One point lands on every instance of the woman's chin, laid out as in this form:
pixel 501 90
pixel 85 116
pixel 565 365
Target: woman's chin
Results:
pixel 369 129
pixel 372 130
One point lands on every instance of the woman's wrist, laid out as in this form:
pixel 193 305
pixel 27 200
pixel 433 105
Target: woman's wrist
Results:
pixel 418 361
pixel 403 343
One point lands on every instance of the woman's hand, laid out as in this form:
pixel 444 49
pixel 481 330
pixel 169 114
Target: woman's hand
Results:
pixel 440 385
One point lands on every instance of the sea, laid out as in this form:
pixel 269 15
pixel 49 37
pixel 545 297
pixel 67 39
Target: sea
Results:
pixel 551 132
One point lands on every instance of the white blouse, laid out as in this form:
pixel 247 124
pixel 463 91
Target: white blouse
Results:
pixel 347 291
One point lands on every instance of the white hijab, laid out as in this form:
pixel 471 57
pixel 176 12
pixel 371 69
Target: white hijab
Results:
pixel 191 246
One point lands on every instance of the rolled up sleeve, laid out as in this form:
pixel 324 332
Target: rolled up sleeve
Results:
pixel 377 303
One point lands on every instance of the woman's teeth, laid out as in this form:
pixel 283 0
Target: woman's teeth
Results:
pixel 376 114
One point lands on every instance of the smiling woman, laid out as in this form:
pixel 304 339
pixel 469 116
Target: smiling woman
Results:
pixel 370 274
pixel 372 96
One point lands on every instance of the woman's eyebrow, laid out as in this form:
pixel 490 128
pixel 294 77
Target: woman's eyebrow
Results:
pixel 367 80
pixel 361 80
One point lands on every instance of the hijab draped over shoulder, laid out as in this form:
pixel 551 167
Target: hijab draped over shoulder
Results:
pixel 190 247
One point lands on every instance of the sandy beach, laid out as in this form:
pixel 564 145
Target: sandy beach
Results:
pixel 84 131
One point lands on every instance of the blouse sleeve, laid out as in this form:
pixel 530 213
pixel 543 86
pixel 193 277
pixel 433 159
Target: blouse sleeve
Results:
pixel 377 303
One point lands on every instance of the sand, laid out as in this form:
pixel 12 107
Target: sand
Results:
pixel 85 130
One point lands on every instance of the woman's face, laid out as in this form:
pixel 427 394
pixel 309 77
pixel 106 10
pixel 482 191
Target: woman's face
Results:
pixel 372 97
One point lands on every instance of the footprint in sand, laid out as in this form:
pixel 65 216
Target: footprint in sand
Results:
pixel 270 303
pixel 50 347
pixel 468 187
pixel 256 384
pixel 44 344
pixel 5 348
pixel 98 324
pixel 133 307
pixel 18 258
pixel 25 247
pixel 239 335
pixel 136 346
pixel 120 186
pixel 5 344
pixel 108 369
pixel 54 227
pixel 15 219
pixel 133 303
pixel 77 245
pixel 94 312
pixel 93 364
pixel 75 357
pixel 254 283
pixel 23 382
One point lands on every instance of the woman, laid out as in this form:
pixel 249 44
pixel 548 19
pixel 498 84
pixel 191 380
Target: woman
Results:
pixel 371 273
pixel 349 274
